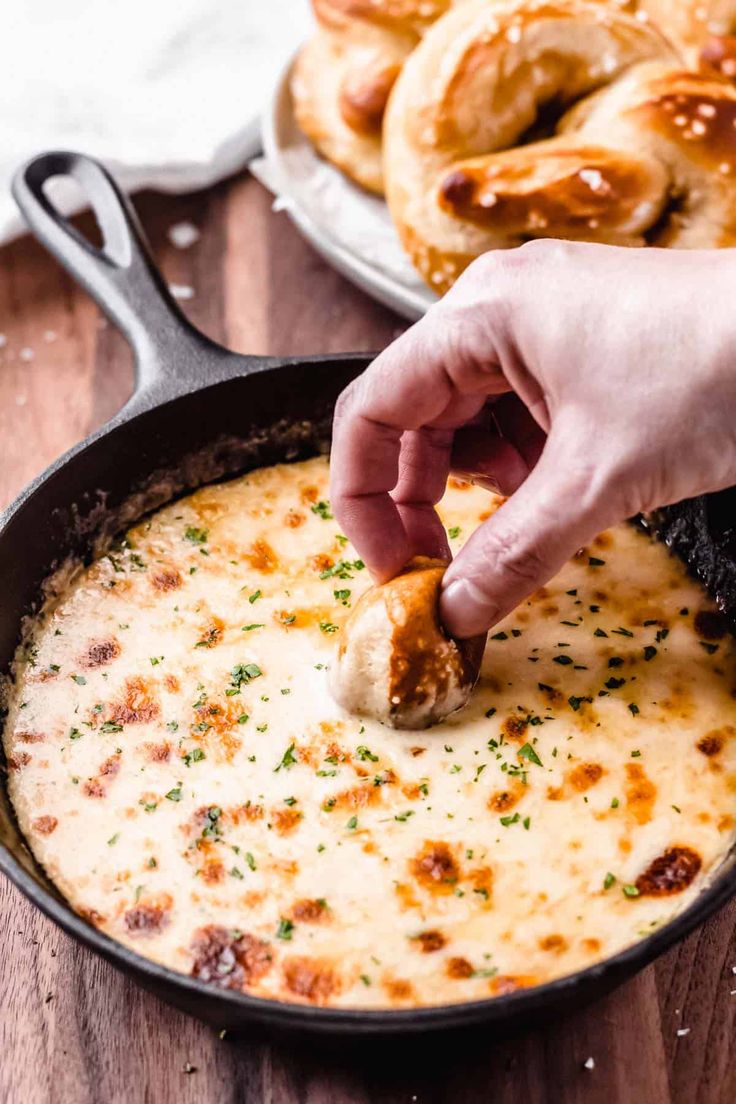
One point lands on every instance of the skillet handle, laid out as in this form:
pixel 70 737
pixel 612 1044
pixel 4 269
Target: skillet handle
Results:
pixel 120 275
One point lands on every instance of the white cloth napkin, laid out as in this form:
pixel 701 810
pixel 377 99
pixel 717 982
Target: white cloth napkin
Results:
pixel 166 92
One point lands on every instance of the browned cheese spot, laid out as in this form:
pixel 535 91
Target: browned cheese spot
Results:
pixel 227 958
pixel 430 941
pixel 640 793
pixel 167 579
pixel 211 634
pixel 515 726
pixel 459 968
pixel 312 979
pixel 149 918
pixel 45 825
pixel 584 776
pixel 293 519
pixel 138 704
pixel 18 760
pixel 30 737
pixel 310 910
pixel 158 753
pixel 503 800
pixel 212 872
pixel 398 989
pixel 435 868
pixel 669 873
pixel 261 557
pixel 100 653
pixel 712 743
pixel 285 820
pixel 556 944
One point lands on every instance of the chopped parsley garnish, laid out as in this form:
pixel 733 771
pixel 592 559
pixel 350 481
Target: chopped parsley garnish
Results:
pixel 528 752
pixel 564 660
pixel 175 794
pixel 250 628
pixel 454 532
pixel 241 675
pixel 630 891
pixel 195 535
pixel 74 733
pixel 352 823
pixel 593 561
pixel 614 683
pixel 327 627
pixel 649 652
pixel 365 754
pixel 250 860
pixel 600 632
pixel 255 596
pixel 500 636
pixel 615 803
pixel 285 929
pixel 322 509
pixel 211 827
pixel 113 839
pixel 615 661
pixel 636 754
pixel 196 755
pixel 403 817
pixel 622 632
pixel 575 702
pixel 633 708
pixel 508 820
pixel 342 569
pixel 342 596
pixel 288 759
pixel 79 679
pixel 110 726
pixel 609 880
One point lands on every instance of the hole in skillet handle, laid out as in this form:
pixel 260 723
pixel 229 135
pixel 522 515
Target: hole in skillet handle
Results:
pixel 172 357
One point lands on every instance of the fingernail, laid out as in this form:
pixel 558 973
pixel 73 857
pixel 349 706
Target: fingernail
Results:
pixel 465 610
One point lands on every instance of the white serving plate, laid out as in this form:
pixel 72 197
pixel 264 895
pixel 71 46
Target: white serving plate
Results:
pixel 347 226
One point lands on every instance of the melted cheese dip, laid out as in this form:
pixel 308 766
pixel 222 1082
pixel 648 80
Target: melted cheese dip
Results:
pixel 180 770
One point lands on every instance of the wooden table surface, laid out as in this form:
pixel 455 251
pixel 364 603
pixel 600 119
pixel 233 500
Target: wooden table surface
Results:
pixel 74 1030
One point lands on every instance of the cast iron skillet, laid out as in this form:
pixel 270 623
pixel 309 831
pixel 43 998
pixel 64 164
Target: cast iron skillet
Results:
pixel 193 397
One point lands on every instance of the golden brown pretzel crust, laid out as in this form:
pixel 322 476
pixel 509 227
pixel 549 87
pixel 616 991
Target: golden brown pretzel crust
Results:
pixel 704 31
pixel 646 153
pixel 344 75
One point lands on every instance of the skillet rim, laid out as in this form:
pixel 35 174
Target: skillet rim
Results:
pixel 293 1015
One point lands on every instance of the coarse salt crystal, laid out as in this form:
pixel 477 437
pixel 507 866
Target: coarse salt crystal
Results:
pixel 683 1031
pixel 49 336
pixel 589 1063
pixel 183 234
pixel 181 291
pixel 21 400
pixel 26 353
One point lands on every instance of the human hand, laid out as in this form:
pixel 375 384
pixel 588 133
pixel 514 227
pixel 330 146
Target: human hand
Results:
pixel 586 382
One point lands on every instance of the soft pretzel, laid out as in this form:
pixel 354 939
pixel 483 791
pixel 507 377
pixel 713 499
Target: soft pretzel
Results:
pixel 646 160
pixel 704 31
pixel 344 74
pixel 395 661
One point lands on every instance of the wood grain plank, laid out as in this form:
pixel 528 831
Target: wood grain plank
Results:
pixel 75 1031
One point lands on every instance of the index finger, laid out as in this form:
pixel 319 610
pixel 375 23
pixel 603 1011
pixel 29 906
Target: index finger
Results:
pixel 427 378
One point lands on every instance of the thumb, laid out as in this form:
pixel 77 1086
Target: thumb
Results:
pixel 561 506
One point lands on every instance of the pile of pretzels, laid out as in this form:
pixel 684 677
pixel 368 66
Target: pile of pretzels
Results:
pixel 487 123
